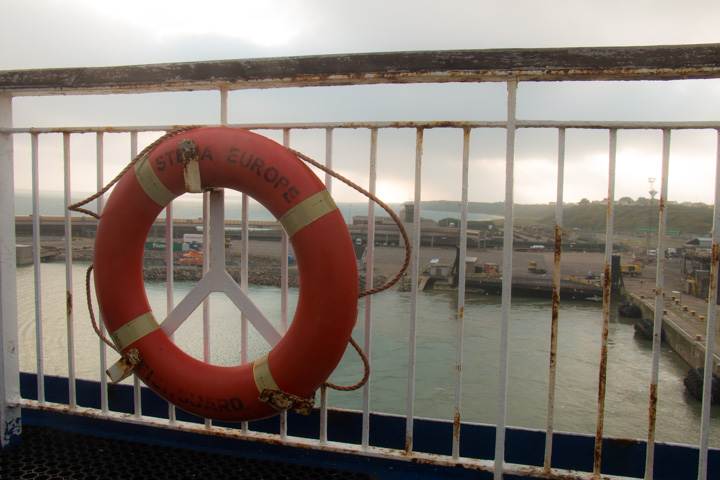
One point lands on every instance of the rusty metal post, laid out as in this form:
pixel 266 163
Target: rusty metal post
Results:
pixel 710 327
pixel 659 289
pixel 555 315
pixel 602 376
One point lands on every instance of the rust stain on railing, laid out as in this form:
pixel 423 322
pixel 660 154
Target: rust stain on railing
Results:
pixel 555 316
pixel 606 289
pixel 556 292
pixel 602 376
pixel 456 426
pixel 714 262
pixel 68 302
pixel 652 411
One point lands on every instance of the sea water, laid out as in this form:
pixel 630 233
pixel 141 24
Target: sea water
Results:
pixel 190 206
pixel 629 359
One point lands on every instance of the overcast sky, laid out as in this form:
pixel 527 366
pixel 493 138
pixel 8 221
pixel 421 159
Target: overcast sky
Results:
pixel 56 33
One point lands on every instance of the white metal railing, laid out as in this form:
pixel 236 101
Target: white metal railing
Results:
pixel 11 401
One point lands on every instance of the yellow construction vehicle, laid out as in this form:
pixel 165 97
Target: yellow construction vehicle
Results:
pixel 533 268
pixel 633 270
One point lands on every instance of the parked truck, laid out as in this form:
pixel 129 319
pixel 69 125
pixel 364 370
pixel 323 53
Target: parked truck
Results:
pixel 533 268
pixel 632 270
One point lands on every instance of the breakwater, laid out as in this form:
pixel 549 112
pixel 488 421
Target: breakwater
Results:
pixel 683 332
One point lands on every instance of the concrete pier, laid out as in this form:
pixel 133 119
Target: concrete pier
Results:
pixel 684 321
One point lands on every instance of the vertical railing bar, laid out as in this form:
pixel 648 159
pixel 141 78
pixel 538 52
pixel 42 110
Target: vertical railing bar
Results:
pixel 555 315
pixel 369 274
pixel 213 219
pixel 607 279
pixel 284 289
pixel 37 270
pixel 244 259
pixel 710 328
pixel 323 388
pixel 415 267
pixel 205 268
pixel 462 267
pixel 244 278
pixel 207 238
pixel 659 293
pixel 506 279
pixel 99 183
pixel 223 106
pixel 68 274
pixel 328 158
pixel 323 414
pixel 136 381
pixel 215 249
pixel 10 412
pixel 170 283
pixel 284 261
pixel 100 168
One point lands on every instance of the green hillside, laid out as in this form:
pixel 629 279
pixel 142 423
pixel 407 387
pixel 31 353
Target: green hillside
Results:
pixel 590 217
pixel 628 218
pixel 497 208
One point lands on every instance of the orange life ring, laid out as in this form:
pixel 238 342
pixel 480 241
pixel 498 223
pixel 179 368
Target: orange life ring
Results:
pixel 327 306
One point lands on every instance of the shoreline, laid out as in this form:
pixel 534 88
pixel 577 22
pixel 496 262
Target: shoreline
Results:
pixel 269 276
pixel 265 256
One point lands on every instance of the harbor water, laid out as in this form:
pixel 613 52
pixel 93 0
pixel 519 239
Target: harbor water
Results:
pixel 190 206
pixel 578 355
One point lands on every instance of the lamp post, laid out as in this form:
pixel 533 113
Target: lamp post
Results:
pixel 652 193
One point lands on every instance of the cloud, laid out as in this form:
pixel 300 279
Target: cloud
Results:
pixel 266 23
pixel 54 33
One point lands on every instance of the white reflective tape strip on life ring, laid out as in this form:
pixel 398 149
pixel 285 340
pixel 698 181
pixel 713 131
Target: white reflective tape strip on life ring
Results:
pixel 263 377
pixel 151 183
pixel 307 211
pixel 134 330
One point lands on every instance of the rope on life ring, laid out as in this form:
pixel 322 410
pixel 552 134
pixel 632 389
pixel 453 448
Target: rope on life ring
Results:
pixel 301 360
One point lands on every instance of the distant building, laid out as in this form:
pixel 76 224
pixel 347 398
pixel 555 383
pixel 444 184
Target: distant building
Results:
pixel 438 269
pixel 699 245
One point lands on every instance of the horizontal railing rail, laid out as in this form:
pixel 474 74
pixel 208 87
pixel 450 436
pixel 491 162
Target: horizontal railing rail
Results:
pixel 449 124
pixel 540 65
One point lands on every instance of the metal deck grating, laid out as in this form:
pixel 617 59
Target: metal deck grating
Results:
pixel 51 454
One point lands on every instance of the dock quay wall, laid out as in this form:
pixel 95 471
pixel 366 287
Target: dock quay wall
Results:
pixel 681 333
